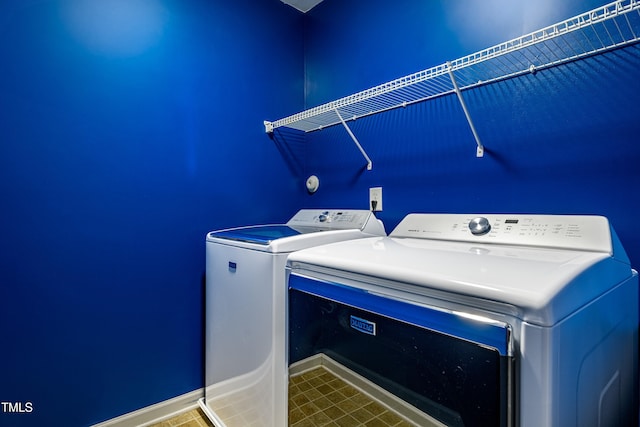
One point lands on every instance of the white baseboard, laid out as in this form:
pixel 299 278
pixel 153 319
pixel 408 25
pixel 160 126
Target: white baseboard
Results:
pixel 156 413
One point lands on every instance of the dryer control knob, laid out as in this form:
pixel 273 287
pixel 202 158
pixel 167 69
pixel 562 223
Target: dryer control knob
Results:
pixel 479 226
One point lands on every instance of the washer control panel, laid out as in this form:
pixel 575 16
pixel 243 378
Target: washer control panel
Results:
pixel 582 232
pixel 330 219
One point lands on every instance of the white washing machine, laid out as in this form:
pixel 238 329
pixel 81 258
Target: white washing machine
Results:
pixel 479 320
pixel 246 373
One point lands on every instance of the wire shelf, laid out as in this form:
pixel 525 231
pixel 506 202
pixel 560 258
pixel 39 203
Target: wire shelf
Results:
pixel 602 29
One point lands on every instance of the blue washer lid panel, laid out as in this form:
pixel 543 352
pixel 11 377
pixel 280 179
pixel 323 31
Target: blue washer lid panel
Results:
pixel 262 235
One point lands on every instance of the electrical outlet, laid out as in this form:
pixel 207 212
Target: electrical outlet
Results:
pixel 375 199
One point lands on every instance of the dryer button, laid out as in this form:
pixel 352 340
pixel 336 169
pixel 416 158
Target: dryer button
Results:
pixel 479 226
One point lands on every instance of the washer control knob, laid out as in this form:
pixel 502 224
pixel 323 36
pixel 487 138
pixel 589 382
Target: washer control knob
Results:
pixel 479 226
pixel 324 216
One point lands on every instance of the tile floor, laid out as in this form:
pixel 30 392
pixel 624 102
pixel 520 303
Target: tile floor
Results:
pixel 194 418
pixel 317 398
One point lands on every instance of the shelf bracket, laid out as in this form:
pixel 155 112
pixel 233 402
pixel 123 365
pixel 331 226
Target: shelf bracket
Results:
pixel 355 140
pixel 480 149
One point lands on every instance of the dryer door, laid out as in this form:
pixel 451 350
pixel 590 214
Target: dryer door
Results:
pixel 454 368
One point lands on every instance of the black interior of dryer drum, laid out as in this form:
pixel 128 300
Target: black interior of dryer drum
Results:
pixel 458 382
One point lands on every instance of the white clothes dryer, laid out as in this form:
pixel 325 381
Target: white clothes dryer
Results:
pixel 479 320
pixel 245 364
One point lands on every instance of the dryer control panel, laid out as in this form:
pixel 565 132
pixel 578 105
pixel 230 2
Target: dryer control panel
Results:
pixel 580 232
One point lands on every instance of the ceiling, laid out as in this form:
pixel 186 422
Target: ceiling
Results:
pixel 302 5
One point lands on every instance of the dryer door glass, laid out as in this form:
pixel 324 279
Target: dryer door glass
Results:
pixel 453 369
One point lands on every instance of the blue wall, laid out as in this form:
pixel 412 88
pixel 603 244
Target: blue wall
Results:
pixel 128 129
pixel 563 140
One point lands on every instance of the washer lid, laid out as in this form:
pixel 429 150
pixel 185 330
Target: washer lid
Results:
pixel 261 235
pixel 306 228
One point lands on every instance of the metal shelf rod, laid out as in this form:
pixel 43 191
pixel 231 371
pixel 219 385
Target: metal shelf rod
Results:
pixel 369 163
pixel 480 149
